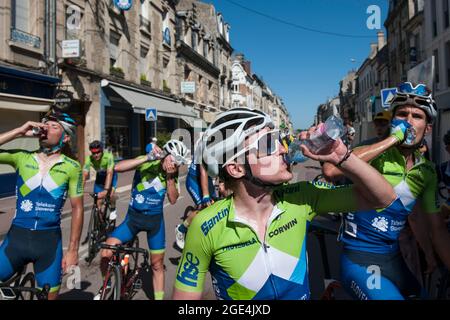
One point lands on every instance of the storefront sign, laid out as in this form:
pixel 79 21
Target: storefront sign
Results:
pixel 26 38
pixel 187 87
pixel 71 48
pixel 123 4
pixel 63 99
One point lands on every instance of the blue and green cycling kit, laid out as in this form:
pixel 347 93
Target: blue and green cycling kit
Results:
pixel 376 232
pixel 35 234
pixel 243 265
pixel 101 167
pixel 193 185
pixel 145 211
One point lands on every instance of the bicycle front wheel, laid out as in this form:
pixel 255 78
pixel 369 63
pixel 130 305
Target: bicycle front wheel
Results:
pixel 112 284
pixel 93 235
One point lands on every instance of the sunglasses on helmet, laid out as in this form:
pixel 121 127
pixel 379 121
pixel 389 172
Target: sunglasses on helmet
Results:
pixel 408 88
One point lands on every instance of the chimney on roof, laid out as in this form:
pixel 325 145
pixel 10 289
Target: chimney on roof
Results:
pixel 373 50
pixel 381 40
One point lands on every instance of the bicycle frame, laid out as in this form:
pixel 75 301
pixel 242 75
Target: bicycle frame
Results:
pixel 127 279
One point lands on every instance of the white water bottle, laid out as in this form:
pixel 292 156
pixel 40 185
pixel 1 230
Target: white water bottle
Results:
pixel 326 134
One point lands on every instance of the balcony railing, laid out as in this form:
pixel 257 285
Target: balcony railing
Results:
pixel 26 38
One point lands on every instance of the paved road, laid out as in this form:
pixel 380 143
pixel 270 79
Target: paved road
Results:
pixel 90 275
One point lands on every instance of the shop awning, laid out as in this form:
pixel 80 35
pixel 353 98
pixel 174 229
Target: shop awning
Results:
pixel 140 100
pixel 194 122
pixel 24 103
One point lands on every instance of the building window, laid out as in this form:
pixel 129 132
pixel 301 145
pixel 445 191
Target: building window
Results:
pixel 436 64
pixel 214 57
pixel 445 13
pixel 194 40
pixel 21 16
pixel 114 38
pixel 205 49
pixel 433 17
pixel 447 62
pixel 143 61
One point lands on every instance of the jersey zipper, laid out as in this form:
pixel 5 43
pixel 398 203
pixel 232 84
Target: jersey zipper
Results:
pixel 266 254
pixel 40 187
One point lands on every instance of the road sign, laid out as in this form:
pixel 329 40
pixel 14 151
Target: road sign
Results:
pixel 386 96
pixel 151 115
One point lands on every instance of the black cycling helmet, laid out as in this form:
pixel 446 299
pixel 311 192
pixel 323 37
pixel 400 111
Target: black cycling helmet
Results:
pixel 95 146
pixel 447 138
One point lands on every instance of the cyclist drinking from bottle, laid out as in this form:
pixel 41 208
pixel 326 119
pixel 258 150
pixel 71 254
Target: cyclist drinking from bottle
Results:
pixel 152 180
pixel 44 179
pixel 201 189
pixel 253 241
pixel 371 264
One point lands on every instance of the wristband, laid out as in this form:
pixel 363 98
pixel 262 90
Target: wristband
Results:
pixel 347 155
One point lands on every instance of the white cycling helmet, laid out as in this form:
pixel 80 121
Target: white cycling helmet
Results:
pixel 178 150
pixel 227 133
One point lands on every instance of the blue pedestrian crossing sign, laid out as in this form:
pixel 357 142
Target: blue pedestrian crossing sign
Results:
pixel 386 96
pixel 151 115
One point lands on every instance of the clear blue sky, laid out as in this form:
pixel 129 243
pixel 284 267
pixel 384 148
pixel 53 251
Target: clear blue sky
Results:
pixel 302 67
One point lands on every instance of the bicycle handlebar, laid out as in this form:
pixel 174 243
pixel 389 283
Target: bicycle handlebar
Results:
pixel 123 249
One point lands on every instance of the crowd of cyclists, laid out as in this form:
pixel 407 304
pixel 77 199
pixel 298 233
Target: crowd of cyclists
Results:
pixel 250 232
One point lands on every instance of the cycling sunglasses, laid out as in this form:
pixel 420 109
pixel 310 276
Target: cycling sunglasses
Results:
pixel 267 144
pixel 420 89
pixel 96 151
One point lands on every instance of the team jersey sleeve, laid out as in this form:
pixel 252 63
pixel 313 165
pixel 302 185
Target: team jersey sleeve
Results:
pixel 321 197
pixel 430 200
pixel 76 182
pixel 110 162
pixel 11 157
pixel 87 164
pixel 148 164
pixel 194 263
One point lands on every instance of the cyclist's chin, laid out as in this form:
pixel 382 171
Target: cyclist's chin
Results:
pixel 281 177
